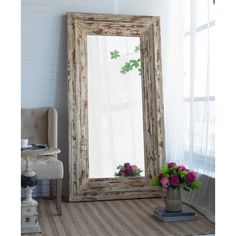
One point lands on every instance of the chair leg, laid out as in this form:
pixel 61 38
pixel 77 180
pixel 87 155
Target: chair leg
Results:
pixel 59 193
pixel 51 192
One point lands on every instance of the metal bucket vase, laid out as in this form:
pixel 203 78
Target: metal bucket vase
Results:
pixel 173 199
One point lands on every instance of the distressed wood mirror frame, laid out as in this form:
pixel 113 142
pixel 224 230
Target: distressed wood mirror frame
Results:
pixel 79 25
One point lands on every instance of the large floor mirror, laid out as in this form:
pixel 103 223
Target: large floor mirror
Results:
pixel 115 114
pixel 116 123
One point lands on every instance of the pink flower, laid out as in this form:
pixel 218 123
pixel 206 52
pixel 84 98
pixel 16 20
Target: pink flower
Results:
pixel 127 164
pixel 134 168
pixel 171 164
pixel 174 180
pixel 128 170
pixel 165 182
pixel 190 177
pixel 160 176
pixel 183 168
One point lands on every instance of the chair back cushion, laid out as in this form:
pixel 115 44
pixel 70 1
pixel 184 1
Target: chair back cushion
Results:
pixel 34 125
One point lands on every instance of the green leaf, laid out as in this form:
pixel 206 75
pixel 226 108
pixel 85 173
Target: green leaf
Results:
pixel 155 181
pixel 137 48
pixel 165 170
pixel 140 71
pixel 120 167
pixel 135 63
pixel 126 68
pixel 195 185
pixel 122 71
pixel 183 174
pixel 115 54
pixel 186 188
pixel 175 172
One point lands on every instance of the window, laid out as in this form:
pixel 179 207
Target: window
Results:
pixel 199 96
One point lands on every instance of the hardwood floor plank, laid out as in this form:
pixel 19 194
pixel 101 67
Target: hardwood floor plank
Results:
pixel 46 219
pixel 56 219
pixel 78 219
pixel 91 220
pixel 114 218
pixel 91 208
pixel 117 228
pixel 125 217
pixel 143 217
pixel 141 220
pixel 68 220
pixel 148 214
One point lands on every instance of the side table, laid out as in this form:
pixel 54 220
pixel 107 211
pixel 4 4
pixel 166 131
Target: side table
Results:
pixel 29 212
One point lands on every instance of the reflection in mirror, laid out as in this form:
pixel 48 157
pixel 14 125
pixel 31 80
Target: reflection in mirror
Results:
pixel 115 114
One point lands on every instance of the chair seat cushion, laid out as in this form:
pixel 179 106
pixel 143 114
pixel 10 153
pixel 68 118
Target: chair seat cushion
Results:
pixel 47 167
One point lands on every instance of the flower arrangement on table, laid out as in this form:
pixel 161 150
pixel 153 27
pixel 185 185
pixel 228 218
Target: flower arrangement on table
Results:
pixel 128 170
pixel 173 175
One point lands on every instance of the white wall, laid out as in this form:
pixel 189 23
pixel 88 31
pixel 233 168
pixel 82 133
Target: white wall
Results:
pixel 44 56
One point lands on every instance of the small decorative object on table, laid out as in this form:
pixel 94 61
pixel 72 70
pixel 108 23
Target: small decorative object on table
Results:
pixel 173 177
pixel 128 170
pixel 33 147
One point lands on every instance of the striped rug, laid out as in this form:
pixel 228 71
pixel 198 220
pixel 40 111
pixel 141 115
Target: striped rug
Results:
pixel 116 218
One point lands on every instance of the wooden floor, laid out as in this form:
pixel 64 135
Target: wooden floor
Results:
pixel 102 218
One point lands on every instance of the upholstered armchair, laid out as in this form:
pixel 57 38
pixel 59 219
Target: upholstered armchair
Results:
pixel 39 125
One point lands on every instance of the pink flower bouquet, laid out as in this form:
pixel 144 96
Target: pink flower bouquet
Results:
pixel 128 170
pixel 173 175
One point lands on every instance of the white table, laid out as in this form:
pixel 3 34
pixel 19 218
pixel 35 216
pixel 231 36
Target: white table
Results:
pixel 29 180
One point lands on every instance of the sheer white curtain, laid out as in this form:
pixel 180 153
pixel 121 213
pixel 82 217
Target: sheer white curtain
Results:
pixel 187 43
pixel 114 106
pixel 189 97
pixel 189 86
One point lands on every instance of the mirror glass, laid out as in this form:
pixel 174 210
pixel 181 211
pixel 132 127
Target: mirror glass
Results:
pixel 115 113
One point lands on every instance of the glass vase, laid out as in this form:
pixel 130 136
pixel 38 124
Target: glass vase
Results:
pixel 173 199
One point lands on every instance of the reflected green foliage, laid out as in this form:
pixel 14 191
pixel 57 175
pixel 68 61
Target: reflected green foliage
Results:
pixel 114 54
pixel 129 65
pixel 137 49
